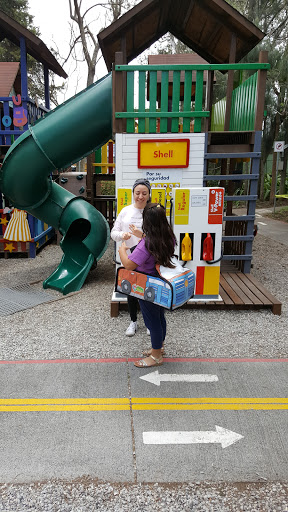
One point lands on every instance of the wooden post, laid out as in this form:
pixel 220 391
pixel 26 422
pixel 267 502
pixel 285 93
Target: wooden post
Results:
pixel 274 162
pixel 23 66
pixel 89 182
pixel 208 102
pixel 261 86
pixel 119 94
pixel 259 115
pixel 46 87
pixel 232 58
pixel 114 309
pixel 230 188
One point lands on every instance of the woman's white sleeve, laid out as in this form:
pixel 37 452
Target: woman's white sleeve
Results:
pixel 116 231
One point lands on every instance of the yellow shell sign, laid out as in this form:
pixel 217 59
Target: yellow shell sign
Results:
pixel 163 153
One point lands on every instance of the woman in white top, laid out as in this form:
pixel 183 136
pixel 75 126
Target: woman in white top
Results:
pixel 128 227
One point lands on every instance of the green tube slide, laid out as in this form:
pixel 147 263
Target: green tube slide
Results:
pixel 64 136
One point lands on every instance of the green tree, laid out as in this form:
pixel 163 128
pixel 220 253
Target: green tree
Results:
pixel 9 52
pixel 271 16
pixel 18 10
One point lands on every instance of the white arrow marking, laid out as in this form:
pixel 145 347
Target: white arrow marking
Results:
pixel 156 378
pixel 221 435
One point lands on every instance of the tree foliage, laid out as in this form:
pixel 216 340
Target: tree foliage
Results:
pixel 18 10
pixel 271 16
pixel 9 52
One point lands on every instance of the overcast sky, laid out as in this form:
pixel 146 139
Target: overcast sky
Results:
pixel 52 19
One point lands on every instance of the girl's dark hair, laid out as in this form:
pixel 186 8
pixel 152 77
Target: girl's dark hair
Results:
pixel 160 239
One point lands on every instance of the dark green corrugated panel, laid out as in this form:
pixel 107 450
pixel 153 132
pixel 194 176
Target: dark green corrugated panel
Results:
pixel 243 105
pixel 242 108
pixel 218 116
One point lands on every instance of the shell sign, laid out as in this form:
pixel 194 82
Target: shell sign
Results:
pixel 163 153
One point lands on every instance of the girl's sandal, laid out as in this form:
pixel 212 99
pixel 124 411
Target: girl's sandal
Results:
pixel 148 352
pixel 142 363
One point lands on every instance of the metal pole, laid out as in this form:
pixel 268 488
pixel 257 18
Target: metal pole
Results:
pixel 275 191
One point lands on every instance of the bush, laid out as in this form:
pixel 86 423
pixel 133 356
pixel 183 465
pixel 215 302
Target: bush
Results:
pixel 267 185
pixel 107 188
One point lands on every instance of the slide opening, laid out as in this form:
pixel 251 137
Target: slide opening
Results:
pixel 72 242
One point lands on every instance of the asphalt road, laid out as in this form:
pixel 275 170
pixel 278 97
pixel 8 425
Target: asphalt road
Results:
pixel 195 419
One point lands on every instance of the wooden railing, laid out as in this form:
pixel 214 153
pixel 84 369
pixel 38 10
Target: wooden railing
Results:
pixel 106 205
pixel 186 106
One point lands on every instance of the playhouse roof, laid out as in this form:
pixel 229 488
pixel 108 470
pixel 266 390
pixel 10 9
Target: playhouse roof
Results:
pixel 8 73
pixel 13 31
pixel 205 26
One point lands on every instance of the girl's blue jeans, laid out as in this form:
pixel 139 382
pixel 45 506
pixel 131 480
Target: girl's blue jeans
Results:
pixel 154 319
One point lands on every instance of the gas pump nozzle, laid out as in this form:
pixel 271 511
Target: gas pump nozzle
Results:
pixel 208 248
pixel 186 247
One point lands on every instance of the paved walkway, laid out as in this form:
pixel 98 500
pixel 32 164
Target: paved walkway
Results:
pixel 274 229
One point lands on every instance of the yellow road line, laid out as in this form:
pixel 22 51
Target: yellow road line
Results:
pixel 33 408
pixel 206 407
pixel 66 401
pixel 207 400
pixel 141 404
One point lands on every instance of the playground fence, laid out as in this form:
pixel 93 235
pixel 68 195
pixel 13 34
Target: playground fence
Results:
pixel 9 131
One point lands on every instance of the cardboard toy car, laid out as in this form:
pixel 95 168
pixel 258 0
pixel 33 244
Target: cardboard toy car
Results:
pixel 169 293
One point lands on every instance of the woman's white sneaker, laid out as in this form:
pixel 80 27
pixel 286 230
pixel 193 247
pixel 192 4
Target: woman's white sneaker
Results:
pixel 131 329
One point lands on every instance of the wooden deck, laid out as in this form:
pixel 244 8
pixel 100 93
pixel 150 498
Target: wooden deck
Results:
pixel 241 291
pixel 237 290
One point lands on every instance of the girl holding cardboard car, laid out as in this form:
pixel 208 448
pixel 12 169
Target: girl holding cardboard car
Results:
pixel 156 247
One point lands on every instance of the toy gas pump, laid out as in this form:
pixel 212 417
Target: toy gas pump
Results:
pixel 196 219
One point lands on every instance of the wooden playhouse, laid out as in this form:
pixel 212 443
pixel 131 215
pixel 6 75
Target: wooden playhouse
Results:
pixel 168 100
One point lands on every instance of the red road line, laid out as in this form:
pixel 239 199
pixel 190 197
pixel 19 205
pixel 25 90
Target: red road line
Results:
pixel 222 360
pixel 132 359
pixel 52 361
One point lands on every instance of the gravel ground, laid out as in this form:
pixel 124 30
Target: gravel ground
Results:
pixel 52 331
